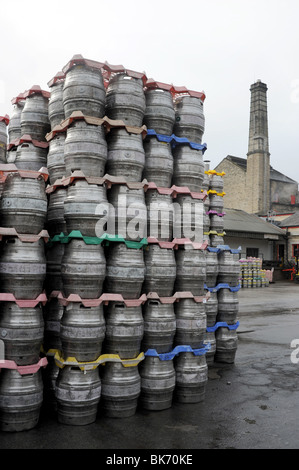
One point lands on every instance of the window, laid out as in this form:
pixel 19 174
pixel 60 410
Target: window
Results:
pixel 252 252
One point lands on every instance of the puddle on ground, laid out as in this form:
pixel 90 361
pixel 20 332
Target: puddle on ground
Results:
pixel 250 421
pixel 213 374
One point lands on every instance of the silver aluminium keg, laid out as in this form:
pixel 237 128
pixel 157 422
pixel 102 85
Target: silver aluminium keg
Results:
pixel 78 394
pixel 191 270
pixel 30 156
pixel 55 158
pixel 83 269
pixel 14 127
pixel 159 112
pixel 126 155
pixel 160 270
pixel 157 383
pixel 159 326
pixel 188 221
pixel 211 308
pixel 85 149
pixel 125 99
pixel 22 331
pixel 229 268
pixel 188 167
pixel 226 345
pixel 158 166
pixel 216 223
pixel 84 207
pixel 52 312
pixel 160 215
pixel 191 323
pixel 211 340
pixel 125 271
pixel 191 377
pixel 216 201
pixel 228 306
pixel 56 223
pixel 55 106
pixel 34 117
pixel 54 255
pixel 211 268
pixel 21 398
pixel 129 212
pixel 22 268
pixel 121 387
pixel 84 91
pixel 3 140
pixel 124 330
pixel 24 204
pixel 216 183
pixel 190 120
pixel 82 332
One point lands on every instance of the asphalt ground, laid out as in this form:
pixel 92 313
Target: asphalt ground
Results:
pixel 252 404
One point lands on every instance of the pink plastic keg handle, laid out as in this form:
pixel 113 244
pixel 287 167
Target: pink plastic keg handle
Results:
pixel 29 238
pixel 105 298
pixel 18 98
pixel 162 244
pixel 59 77
pixel 24 370
pixel 187 241
pixel 177 297
pixel 186 190
pixel 108 124
pixel 26 138
pixel 152 84
pixel 6 297
pixel 10 168
pixel 78 59
pixel 175 190
pixel 34 90
pixel 181 90
pixel 109 70
pixel 114 68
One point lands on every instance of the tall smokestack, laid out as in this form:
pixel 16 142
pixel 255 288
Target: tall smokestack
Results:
pixel 258 156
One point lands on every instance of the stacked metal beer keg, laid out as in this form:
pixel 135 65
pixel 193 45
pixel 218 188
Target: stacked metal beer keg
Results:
pixel 251 273
pixel 4 121
pixel 79 147
pixel 175 124
pixel 23 211
pixel 223 278
pixel 133 249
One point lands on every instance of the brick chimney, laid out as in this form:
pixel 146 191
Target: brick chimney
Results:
pixel 258 156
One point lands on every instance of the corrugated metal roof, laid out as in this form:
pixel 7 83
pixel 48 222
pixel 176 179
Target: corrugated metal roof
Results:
pixel 239 221
pixel 292 221
pixel 277 176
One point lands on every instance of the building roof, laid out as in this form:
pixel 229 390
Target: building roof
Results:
pixel 241 162
pixel 237 220
pixel 292 221
pixel 274 174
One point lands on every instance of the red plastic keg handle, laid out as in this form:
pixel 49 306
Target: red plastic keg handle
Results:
pixel 5 119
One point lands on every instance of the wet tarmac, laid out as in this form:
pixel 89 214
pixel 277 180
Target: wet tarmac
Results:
pixel 252 404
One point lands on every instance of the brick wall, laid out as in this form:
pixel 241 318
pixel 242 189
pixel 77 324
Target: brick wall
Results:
pixel 234 185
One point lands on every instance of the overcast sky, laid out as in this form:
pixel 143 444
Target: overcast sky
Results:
pixel 219 46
